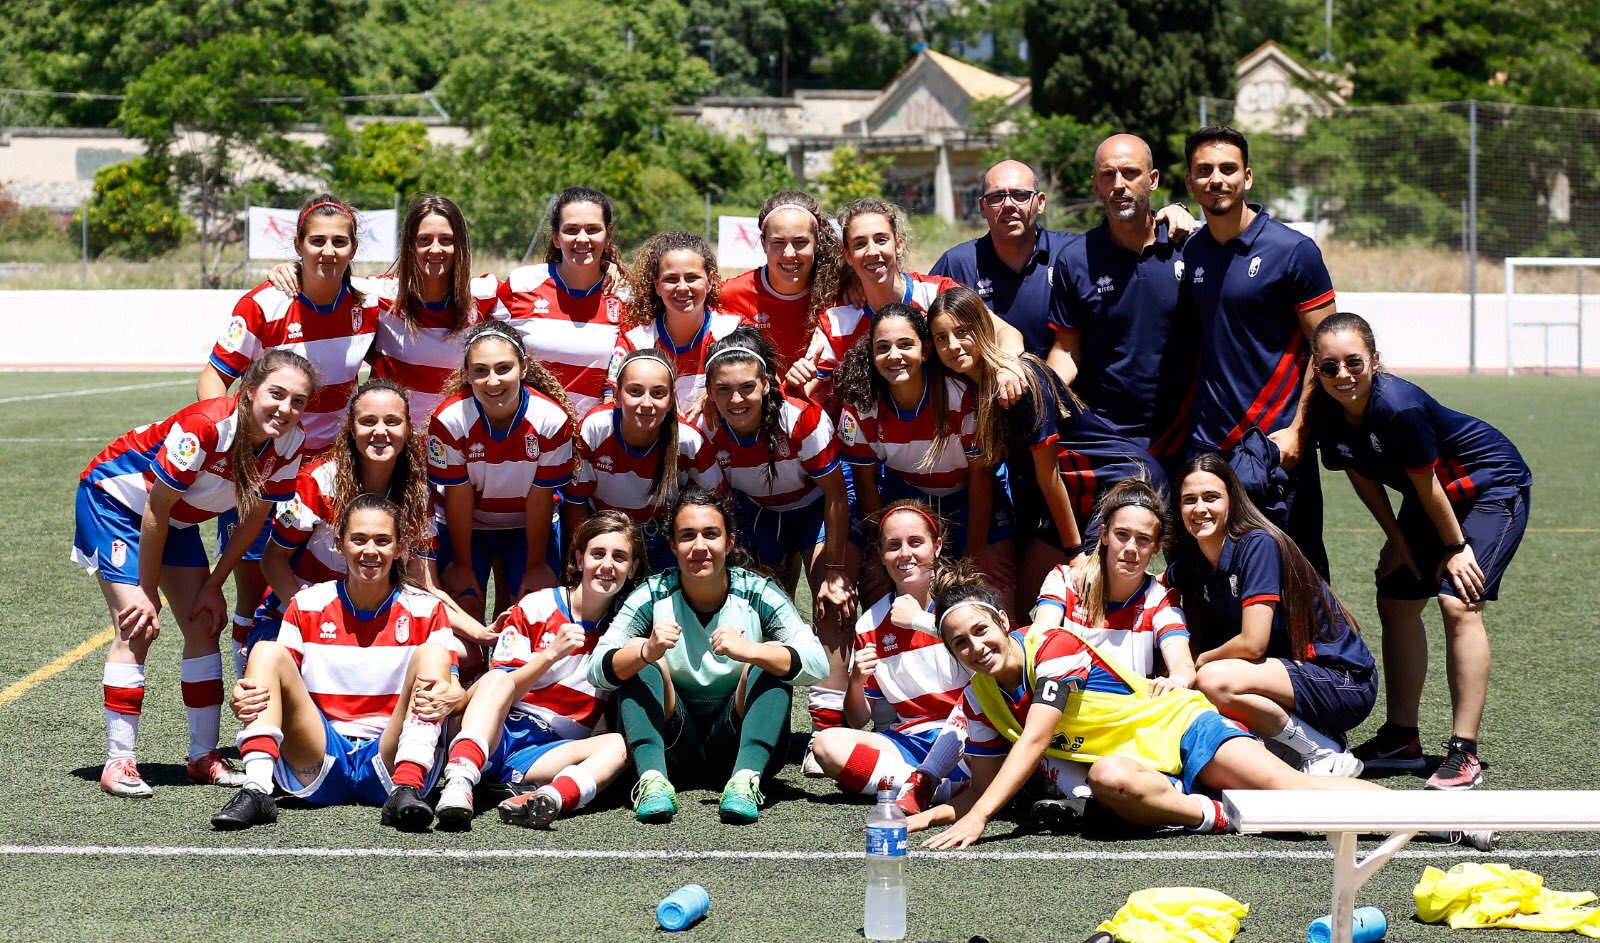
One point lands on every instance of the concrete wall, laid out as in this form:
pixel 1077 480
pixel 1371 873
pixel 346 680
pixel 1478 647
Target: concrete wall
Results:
pixel 145 329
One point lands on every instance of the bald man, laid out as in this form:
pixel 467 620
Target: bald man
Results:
pixel 1125 340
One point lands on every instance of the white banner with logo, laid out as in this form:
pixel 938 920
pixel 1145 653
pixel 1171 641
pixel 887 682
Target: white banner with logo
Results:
pixel 739 243
pixel 272 234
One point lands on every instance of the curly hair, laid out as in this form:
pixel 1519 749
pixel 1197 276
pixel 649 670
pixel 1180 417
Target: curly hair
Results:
pixel 534 373
pixel 645 304
pixel 458 303
pixel 858 384
pixel 408 485
pixel 398 575
pixel 611 265
pixel 828 258
pixel 317 207
pixel 241 457
pixel 750 345
pixel 664 489
pixel 848 282
pixel 599 524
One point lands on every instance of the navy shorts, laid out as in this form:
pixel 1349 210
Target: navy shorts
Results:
pixel 509 546
pixel 227 521
pixel 105 539
pixel 1331 699
pixel 1493 527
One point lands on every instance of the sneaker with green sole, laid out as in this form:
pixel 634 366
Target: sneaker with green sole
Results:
pixel 741 799
pixel 654 799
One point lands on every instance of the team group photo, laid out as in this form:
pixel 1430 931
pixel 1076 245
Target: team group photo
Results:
pixel 1085 528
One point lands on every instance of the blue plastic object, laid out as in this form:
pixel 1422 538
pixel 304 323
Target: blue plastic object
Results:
pixel 1370 926
pixel 680 909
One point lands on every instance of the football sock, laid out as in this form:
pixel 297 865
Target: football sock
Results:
pixel 1303 738
pixel 413 757
pixel 241 637
pixel 202 697
pixel 644 721
pixel 124 699
pixel 766 721
pixel 573 788
pixel 259 748
pixel 466 760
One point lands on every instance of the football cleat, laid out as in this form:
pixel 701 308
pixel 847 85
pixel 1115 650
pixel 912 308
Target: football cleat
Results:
pixel 406 811
pixel 530 810
pixel 121 778
pixel 214 769
pixel 454 807
pixel 247 807
pixel 654 799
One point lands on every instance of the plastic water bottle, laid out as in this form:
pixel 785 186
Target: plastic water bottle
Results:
pixel 683 907
pixel 1369 925
pixel 886 868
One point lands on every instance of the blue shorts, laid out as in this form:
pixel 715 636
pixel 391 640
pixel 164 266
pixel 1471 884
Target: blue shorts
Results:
pixel 914 748
pixel 265 622
pixel 352 773
pixel 227 521
pixel 523 741
pixel 1494 528
pixel 509 546
pixel 1204 737
pixel 953 508
pixel 1331 699
pixel 774 536
pixel 105 539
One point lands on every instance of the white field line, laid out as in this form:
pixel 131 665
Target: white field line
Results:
pixel 16 440
pixel 103 389
pixel 162 851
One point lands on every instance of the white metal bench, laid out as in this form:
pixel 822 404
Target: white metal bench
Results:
pixel 1402 815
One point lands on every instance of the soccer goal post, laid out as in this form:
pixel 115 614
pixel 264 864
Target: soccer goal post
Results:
pixel 1562 314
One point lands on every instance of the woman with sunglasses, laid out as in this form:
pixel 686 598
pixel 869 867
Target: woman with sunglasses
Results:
pixel 1464 492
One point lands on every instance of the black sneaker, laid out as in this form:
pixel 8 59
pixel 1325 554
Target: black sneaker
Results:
pixel 406 811
pixel 1058 815
pixel 247 807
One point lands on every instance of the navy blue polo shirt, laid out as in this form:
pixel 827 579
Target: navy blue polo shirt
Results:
pixel 1248 296
pixel 1137 336
pixel 1249 571
pixel 1021 299
pixel 1405 431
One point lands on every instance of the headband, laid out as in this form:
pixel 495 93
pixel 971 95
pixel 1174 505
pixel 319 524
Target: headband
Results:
pixel 498 331
pixel 933 525
pixel 789 206
pixel 732 350
pixel 316 206
pixel 648 352
pixel 974 603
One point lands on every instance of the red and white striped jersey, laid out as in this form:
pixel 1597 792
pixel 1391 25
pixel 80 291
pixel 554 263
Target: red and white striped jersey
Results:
pixel 805 450
pixel 882 433
pixel 839 327
pixel 752 297
pixel 562 697
pixel 421 361
pixel 688 362
pixel 335 338
pixel 1132 631
pixel 916 673
pixel 305 523
pixel 503 467
pixel 1063 658
pixel 353 662
pixel 613 475
pixel 188 451
pixel 573 334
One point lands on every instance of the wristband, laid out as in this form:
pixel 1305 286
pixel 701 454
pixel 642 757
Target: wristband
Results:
pixel 1451 550
pixel 924 622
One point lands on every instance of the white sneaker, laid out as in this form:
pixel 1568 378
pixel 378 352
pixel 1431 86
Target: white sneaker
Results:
pixel 1330 763
pixel 121 778
pixel 454 807
pixel 810 767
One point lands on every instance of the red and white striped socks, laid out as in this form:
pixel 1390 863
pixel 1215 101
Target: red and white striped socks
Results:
pixel 573 788
pixel 124 692
pixel 413 757
pixel 202 698
pixel 259 749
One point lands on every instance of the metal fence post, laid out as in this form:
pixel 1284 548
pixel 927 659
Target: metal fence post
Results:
pixel 84 219
pixel 1472 240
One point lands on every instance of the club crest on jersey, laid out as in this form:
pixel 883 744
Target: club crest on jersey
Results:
pixel 1343 448
pixel 234 335
pixel 985 287
pixel 1376 446
pixel 355 319
pixel 1103 284
pixel 530 444
pixel 329 631
pixel 847 429
pixel 783 448
pixel 1177 269
pixel 613 310
pixel 295 331
pixel 1255 266
pixel 436 456
pixel 119 553
pixel 183 449
pixel 1199 274
pixel 402 629
pixel 541 306
pixel 475 450
pixel 1233 583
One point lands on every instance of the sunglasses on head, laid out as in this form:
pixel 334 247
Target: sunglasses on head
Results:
pixel 1330 367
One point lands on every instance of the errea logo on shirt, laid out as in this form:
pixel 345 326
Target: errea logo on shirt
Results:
pixel 1103 284
pixel 541 306
pixel 1199 274
pixel 329 631
pixel 985 287
pixel 1343 448
pixel 603 463
pixel 295 331
pixel 475 450
pixel 890 644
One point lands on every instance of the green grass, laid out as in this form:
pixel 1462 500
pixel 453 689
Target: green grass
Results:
pixel 1538 734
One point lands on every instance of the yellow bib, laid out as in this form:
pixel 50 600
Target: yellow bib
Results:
pixel 1097 724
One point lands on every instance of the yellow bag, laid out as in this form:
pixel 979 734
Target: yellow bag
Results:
pixel 1097 724
pixel 1496 895
pixel 1177 915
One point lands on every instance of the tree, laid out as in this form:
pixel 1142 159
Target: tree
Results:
pixel 1137 67
pixel 852 176
pixel 382 159
pixel 1059 147
pixel 134 211
pixel 204 111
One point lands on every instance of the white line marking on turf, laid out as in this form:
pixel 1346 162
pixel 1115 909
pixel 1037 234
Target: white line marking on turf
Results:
pixel 102 389
pixel 161 851
pixel 90 438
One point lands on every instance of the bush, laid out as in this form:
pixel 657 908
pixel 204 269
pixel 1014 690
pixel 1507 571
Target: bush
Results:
pixel 20 223
pixel 134 211
pixel 852 177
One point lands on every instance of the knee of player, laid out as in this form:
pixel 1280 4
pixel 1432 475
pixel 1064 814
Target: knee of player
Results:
pixel 267 654
pixel 1219 681
pixel 832 748
pixel 432 658
pixel 1113 778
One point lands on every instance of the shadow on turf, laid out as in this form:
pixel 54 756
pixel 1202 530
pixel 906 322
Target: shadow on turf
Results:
pixel 156 774
pixel 1430 762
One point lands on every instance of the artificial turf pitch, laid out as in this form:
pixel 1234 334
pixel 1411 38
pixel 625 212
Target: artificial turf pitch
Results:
pixel 797 875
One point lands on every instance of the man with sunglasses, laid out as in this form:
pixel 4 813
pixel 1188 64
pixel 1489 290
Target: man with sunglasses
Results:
pixel 1124 341
pixel 1259 289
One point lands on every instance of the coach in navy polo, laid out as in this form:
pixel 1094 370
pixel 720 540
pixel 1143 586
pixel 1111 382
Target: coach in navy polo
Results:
pixel 1009 267
pixel 1259 290
pixel 1124 339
